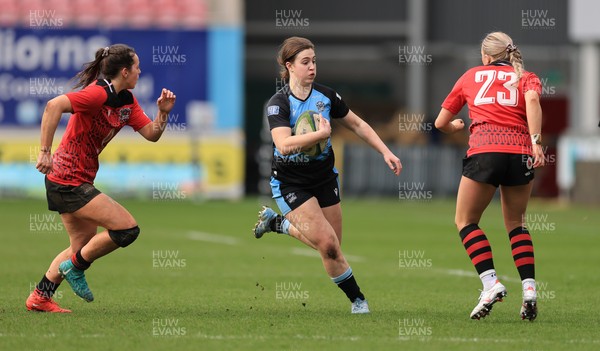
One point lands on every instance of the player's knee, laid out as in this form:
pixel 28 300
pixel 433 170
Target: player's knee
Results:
pixel 330 250
pixel 332 253
pixel 124 237
pixel 511 225
pixel 459 224
pixel 462 222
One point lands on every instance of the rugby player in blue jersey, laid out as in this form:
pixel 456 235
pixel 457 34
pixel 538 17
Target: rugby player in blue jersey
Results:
pixel 305 185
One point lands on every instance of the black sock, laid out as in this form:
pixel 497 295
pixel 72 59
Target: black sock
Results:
pixel 79 262
pixel 275 224
pixel 46 288
pixel 351 289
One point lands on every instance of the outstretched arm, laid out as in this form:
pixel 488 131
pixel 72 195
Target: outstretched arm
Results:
pixel 165 102
pixel 52 114
pixel 366 133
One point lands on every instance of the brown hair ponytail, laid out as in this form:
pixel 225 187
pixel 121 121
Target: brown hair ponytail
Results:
pixel 108 62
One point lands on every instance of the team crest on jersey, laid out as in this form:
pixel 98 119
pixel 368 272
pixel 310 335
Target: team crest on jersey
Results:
pixel 320 106
pixel 124 114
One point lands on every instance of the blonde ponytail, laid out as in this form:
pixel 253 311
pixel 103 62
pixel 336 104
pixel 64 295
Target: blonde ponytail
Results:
pixel 499 46
pixel 516 60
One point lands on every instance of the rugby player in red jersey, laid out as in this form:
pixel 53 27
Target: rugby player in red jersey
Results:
pixel 99 110
pixel 504 149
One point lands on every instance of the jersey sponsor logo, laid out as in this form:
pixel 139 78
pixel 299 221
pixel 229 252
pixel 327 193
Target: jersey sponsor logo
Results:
pixel 272 110
pixel 124 114
pixel 320 106
pixel 529 164
pixel 290 198
pixel 86 188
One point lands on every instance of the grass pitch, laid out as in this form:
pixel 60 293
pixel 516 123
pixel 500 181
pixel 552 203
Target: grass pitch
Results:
pixel 197 279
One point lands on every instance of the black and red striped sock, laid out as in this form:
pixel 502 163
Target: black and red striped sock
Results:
pixel 478 247
pixel 79 262
pixel 522 252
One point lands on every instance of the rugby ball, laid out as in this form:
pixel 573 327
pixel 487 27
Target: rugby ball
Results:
pixel 308 122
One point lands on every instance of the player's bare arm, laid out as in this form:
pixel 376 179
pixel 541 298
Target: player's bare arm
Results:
pixel 52 114
pixel 446 123
pixel 366 133
pixel 534 121
pixel 287 143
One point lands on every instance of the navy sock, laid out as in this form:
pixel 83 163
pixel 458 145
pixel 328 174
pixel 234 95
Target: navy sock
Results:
pixel 348 284
pixel 280 225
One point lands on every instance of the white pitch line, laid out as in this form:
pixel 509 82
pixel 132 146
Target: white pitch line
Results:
pixel 213 238
pixel 229 337
pixel 509 279
pixel 261 337
pixel 510 341
pixel 583 341
pixel 327 337
pixel 482 340
pixel 463 273
pixel 300 251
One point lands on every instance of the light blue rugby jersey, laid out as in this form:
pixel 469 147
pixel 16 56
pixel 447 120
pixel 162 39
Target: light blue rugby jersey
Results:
pixel 283 110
